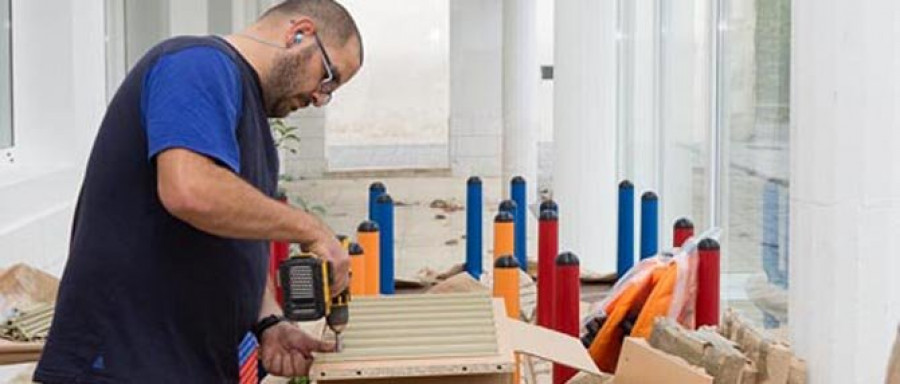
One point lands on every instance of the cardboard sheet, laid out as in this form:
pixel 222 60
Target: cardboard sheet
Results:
pixel 642 364
pixel 550 345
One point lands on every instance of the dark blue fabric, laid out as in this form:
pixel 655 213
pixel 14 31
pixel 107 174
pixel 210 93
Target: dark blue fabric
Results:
pixel 192 99
pixel 145 297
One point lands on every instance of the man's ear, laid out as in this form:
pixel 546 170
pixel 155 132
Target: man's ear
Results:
pixel 303 26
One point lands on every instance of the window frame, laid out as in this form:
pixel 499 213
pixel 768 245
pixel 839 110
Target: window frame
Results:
pixel 7 155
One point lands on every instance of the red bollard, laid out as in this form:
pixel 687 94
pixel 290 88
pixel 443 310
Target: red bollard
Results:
pixel 279 251
pixel 548 248
pixel 684 229
pixel 566 306
pixel 708 275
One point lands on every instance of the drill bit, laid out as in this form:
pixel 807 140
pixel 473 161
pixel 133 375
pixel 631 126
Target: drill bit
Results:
pixel 338 318
pixel 338 342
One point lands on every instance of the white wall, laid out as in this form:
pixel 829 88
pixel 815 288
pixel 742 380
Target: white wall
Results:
pixel 476 118
pixel 476 45
pixel 58 97
pixel 401 95
pixel 845 188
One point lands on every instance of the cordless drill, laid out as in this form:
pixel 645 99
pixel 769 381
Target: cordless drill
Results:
pixel 306 283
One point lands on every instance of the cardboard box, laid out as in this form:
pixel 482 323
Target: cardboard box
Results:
pixel 640 363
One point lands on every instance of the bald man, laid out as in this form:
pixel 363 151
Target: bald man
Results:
pixel 166 280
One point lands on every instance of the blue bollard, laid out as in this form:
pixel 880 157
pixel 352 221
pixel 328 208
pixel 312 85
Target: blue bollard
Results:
pixel 518 190
pixel 375 189
pixel 649 225
pixel 384 216
pixel 474 212
pixel 626 228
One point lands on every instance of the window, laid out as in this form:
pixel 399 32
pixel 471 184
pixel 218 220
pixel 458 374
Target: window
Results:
pixel 6 132
pixel 754 115
pixel 135 26
pixel 684 105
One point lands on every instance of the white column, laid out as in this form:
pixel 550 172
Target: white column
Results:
pixel 845 187
pixel 521 79
pixel 476 119
pixel 584 179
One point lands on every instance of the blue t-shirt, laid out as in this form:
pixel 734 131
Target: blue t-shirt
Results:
pixel 146 297
pixel 192 100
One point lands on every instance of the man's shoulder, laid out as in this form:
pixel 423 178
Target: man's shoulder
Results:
pixel 191 50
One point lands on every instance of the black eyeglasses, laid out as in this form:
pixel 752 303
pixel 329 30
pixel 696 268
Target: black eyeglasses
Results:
pixel 330 82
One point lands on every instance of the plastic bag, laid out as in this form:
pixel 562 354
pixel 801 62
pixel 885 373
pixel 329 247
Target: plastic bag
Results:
pixel 661 286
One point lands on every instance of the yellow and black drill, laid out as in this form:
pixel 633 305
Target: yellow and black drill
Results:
pixel 306 283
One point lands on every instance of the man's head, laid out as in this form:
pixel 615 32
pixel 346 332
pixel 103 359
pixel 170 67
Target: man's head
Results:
pixel 316 33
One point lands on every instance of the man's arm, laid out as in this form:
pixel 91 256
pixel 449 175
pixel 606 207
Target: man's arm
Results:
pixel 212 199
pixel 269 303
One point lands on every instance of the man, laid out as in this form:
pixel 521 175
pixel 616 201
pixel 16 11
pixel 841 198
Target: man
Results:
pixel 166 275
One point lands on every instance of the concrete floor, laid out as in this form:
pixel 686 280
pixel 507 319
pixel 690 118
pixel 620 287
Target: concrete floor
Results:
pixel 425 240
pixel 422 237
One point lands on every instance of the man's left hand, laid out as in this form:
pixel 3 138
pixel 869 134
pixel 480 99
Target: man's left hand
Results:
pixel 287 351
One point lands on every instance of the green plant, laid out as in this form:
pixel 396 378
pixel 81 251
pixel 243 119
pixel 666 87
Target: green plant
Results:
pixel 286 136
pixel 315 209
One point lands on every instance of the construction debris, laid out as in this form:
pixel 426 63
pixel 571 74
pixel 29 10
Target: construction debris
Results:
pixel 448 206
pixel 22 286
pixel 31 324
pixel 735 354
pixel 774 359
pixel 459 283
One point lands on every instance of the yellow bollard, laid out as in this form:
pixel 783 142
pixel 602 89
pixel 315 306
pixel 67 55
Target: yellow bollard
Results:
pixel 506 286
pixel 357 270
pixel 368 237
pixel 504 235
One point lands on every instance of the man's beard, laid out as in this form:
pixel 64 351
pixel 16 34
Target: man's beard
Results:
pixel 279 92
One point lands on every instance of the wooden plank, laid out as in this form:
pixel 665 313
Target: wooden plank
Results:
pixel 432 340
pixel 445 297
pixel 471 379
pixel 14 352
pixel 423 322
pixel 355 352
pixel 419 332
pixel 416 347
pixel 448 307
pixel 640 363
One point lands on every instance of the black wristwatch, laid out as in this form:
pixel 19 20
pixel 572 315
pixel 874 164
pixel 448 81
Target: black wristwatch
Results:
pixel 266 323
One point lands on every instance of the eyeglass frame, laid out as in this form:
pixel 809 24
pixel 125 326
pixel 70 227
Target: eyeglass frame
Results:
pixel 330 71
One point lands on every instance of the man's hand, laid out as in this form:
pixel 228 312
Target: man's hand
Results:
pixel 287 351
pixel 329 248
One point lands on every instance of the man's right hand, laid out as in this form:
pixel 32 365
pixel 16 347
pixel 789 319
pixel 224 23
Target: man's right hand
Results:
pixel 329 248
